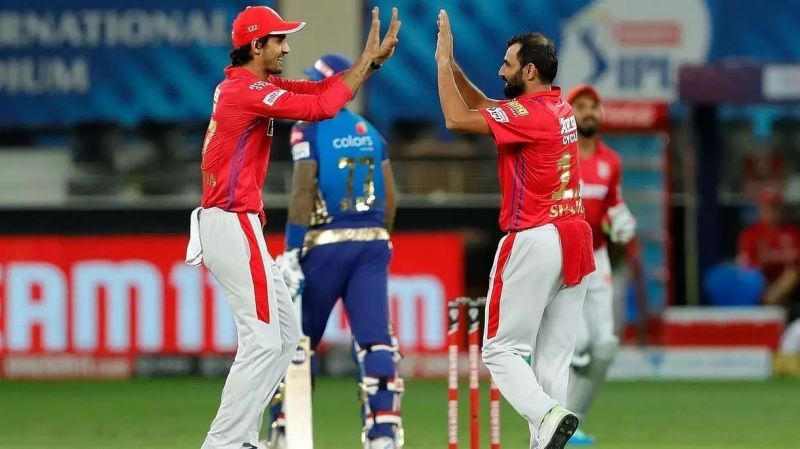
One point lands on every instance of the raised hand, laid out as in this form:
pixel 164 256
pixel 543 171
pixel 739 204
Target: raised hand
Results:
pixel 444 42
pixel 386 49
pixel 375 51
pixel 372 46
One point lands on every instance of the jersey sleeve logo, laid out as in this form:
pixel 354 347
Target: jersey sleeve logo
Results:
pixel 498 115
pixel 569 130
pixel 301 150
pixel 273 96
pixel 258 85
pixel 516 108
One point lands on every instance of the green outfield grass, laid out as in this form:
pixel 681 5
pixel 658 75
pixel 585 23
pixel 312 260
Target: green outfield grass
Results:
pixel 161 414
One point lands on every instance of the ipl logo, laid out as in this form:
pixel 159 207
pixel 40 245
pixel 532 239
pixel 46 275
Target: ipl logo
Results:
pixel 629 49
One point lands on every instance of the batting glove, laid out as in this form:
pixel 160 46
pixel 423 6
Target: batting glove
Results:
pixel 289 264
pixel 623 224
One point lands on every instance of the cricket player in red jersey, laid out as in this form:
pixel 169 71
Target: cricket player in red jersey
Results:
pixel 226 232
pixel 601 192
pixel 772 246
pixel 538 280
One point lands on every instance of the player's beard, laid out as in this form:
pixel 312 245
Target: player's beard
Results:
pixel 587 131
pixel 515 86
pixel 588 125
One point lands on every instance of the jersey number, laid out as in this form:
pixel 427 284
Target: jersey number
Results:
pixel 364 202
pixel 563 166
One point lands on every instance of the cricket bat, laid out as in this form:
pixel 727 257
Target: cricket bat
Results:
pixel 297 393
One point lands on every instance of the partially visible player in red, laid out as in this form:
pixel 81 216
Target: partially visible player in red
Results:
pixel 606 212
pixel 226 232
pixel 773 246
pixel 538 281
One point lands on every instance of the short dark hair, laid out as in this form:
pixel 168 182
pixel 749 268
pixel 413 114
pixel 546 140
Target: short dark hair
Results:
pixel 539 50
pixel 241 55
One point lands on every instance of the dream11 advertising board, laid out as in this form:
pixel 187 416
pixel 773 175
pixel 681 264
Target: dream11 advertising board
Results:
pixel 88 306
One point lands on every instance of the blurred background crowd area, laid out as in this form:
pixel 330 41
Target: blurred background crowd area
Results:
pixel 105 105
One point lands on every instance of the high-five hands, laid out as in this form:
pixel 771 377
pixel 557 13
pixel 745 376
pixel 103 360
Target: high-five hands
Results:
pixel 444 41
pixel 376 50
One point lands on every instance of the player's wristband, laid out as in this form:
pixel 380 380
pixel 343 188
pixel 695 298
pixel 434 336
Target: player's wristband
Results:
pixel 375 66
pixel 295 235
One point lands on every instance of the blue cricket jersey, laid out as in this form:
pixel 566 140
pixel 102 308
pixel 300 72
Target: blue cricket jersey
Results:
pixel 349 152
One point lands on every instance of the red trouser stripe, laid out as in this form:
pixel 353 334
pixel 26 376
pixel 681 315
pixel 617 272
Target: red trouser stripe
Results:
pixel 497 285
pixel 257 271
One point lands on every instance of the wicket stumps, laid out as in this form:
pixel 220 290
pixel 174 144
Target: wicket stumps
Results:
pixel 455 337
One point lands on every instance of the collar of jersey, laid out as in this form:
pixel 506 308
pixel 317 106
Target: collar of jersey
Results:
pixel 555 91
pixel 234 71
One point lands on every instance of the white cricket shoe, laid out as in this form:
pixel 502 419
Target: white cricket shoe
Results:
pixel 556 428
pixel 381 443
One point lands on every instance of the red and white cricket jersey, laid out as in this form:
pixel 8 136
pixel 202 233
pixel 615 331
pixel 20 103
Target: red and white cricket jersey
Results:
pixel 536 138
pixel 770 248
pixel 237 144
pixel 601 188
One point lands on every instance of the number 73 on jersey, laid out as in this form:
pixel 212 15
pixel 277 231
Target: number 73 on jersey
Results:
pixel 363 202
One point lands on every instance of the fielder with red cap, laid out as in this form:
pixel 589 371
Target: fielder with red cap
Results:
pixel 601 190
pixel 226 232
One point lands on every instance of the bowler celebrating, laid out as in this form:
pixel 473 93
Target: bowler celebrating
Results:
pixel 537 284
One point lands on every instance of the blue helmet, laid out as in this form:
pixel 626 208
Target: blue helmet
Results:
pixel 328 65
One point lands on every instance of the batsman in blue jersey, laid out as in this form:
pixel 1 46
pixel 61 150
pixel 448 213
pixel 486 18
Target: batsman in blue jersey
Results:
pixel 337 238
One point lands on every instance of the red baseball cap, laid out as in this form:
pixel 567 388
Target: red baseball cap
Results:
pixel 582 89
pixel 256 22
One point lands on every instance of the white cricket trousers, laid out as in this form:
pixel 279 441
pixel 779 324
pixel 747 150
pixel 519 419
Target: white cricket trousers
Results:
pixel 235 252
pixel 532 316
pixel 596 323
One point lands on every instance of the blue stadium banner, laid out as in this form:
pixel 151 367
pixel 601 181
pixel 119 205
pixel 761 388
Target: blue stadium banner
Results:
pixel 628 49
pixel 68 61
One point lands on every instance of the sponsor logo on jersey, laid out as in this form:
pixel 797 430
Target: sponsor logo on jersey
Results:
pixel 301 150
pixel 258 85
pixel 593 191
pixel 361 128
pixel 569 130
pixel 498 115
pixel 350 141
pixel 273 96
pixel 568 124
pixel 517 109
pixel 603 170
